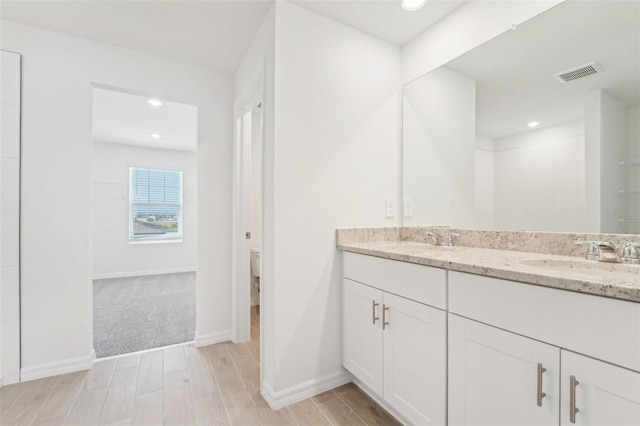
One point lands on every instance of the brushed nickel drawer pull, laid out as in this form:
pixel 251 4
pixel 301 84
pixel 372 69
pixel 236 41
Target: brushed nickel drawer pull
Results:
pixel 540 394
pixel 385 323
pixel 572 398
pixel 374 318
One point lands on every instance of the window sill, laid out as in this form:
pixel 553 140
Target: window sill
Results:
pixel 156 241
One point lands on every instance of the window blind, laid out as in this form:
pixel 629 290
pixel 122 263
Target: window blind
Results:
pixel 155 204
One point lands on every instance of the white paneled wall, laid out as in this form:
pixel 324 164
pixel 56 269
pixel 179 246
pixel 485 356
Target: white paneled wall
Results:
pixel 9 219
pixel 539 180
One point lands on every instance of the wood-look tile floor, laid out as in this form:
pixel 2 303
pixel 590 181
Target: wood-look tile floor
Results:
pixel 180 385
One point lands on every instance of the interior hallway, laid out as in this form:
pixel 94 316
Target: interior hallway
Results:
pixel 180 385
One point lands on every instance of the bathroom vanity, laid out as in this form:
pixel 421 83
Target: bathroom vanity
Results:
pixel 472 335
pixel 506 327
pixel 394 333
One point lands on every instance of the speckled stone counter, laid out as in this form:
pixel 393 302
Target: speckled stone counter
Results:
pixel 550 270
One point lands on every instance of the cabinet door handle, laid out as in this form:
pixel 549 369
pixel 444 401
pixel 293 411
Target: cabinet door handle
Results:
pixel 540 394
pixel 374 318
pixel 573 382
pixel 385 323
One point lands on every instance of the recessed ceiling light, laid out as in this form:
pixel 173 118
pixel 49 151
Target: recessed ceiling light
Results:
pixel 412 5
pixel 155 135
pixel 154 102
pixel 533 124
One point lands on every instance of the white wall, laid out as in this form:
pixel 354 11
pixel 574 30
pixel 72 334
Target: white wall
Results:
pixel 613 138
pixel 469 26
pixel 439 132
pixel 540 180
pixel 112 254
pixel 337 134
pixel 484 184
pixel 592 146
pixel 606 142
pixel 56 266
pixel 9 219
pixel 633 172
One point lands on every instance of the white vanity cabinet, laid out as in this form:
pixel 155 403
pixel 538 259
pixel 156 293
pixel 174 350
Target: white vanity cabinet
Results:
pixel 500 378
pixel 361 333
pixel 510 343
pixel 393 342
pixel 603 394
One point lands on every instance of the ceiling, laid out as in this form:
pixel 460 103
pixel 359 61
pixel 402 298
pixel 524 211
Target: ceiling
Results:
pixel 213 34
pixel 514 72
pixel 384 19
pixel 128 119
pixel 210 33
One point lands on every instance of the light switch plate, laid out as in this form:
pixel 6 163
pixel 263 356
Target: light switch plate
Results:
pixel 390 207
pixel 407 207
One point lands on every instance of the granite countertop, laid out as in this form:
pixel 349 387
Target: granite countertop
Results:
pixel 613 280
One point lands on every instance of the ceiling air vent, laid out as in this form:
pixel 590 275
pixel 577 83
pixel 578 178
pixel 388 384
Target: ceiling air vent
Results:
pixel 579 72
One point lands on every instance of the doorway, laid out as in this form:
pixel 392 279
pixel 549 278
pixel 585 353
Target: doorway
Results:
pixel 248 218
pixel 255 219
pixel 143 221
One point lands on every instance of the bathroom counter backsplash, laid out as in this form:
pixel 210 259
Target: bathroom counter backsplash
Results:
pixel 502 254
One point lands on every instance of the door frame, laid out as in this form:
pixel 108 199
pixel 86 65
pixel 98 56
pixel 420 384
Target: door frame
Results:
pixel 246 100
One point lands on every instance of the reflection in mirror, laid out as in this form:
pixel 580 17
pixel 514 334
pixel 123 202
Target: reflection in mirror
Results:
pixel 473 155
pixel 438 144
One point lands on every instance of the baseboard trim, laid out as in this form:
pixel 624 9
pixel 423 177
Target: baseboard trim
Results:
pixel 212 338
pixel 58 367
pixel 143 273
pixel 9 379
pixel 279 399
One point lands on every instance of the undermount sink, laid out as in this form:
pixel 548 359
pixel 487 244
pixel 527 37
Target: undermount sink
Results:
pixel 585 267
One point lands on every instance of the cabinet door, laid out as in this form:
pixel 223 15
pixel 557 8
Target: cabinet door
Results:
pixel 494 377
pixel 362 333
pixel 604 394
pixel 415 360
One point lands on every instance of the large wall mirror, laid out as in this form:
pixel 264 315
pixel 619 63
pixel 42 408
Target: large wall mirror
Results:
pixel 537 129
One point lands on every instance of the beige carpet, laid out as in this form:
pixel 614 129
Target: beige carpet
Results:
pixel 136 313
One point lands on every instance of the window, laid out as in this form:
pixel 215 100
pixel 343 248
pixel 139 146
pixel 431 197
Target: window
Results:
pixel 155 204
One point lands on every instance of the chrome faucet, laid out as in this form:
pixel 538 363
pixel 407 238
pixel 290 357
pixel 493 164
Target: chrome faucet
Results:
pixel 601 251
pixel 446 241
pixel 630 254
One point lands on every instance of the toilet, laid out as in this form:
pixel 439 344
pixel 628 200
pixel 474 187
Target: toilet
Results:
pixel 255 261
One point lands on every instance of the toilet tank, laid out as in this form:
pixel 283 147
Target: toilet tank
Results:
pixel 255 261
